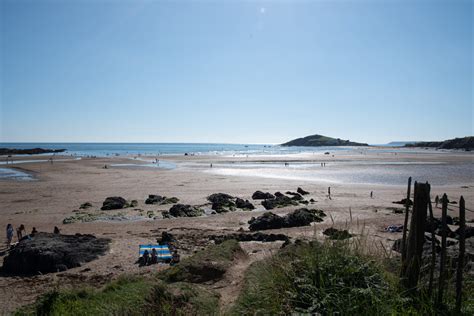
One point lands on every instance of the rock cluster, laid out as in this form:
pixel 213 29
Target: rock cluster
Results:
pixel 243 237
pixel 222 202
pixel 299 217
pixel 113 203
pixel 259 195
pixel 183 210
pixel 336 234
pixel 45 253
pixel 160 200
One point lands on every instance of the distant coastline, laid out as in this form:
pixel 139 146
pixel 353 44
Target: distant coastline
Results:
pixel 466 143
pixel 29 151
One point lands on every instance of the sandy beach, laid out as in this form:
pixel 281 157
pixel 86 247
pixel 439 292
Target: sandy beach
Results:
pixel 58 189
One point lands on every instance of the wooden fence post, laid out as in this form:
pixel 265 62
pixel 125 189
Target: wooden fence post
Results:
pixel 416 237
pixel 433 250
pixel 462 249
pixel 405 224
pixel 443 250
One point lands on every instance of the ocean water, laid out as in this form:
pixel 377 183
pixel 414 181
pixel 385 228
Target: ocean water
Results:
pixel 355 172
pixel 14 174
pixel 121 149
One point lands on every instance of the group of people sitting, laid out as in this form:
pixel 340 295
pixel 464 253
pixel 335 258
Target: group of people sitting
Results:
pixel 149 259
pixel 21 233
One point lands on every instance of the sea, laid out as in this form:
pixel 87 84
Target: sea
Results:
pixel 152 149
pixel 386 171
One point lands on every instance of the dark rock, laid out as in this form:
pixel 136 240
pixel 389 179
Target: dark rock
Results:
pixel 297 197
pixel 113 203
pixel 133 203
pixel 278 194
pixel 184 210
pixel 437 226
pixel 45 253
pixel 259 195
pixel 302 217
pixel 222 202
pixel 154 199
pixel 244 237
pixel 244 204
pixel 403 202
pixel 268 220
pixel 85 205
pixel 299 217
pixel 219 197
pixel 280 201
pixel 336 234
pixel 468 233
pixel 301 191
pixel 312 200
pixel 160 200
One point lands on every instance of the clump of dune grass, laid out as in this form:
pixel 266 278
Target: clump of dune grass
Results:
pixel 121 296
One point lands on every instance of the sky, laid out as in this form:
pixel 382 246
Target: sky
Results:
pixel 235 71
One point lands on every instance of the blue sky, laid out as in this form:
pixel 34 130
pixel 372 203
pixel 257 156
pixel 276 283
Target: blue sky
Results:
pixel 234 71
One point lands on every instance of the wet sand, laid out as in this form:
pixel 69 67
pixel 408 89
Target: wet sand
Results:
pixel 61 187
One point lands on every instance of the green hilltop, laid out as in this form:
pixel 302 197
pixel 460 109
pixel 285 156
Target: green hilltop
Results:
pixel 320 140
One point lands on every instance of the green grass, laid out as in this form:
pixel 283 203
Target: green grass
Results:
pixel 181 299
pixel 133 295
pixel 206 265
pixel 331 278
pixel 118 297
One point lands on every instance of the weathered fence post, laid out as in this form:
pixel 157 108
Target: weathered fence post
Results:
pixel 405 223
pixel 433 250
pixel 416 237
pixel 462 249
pixel 443 250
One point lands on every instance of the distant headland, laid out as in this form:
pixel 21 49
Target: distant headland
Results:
pixel 466 143
pixel 320 140
pixel 31 151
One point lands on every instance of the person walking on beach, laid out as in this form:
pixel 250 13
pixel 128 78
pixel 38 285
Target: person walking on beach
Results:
pixel 10 232
pixel 371 194
pixel 329 192
pixel 19 232
pixel 436 200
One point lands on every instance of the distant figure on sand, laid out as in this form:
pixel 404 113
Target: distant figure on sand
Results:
pixel 33 231
pixel 211 165
pixel 371 194
pixel 56 230
pixel 329 192
pixel 436 200
pixel 10 232
pixel 19 232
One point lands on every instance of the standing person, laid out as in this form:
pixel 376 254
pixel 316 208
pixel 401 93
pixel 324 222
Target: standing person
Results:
pixel 371 194
pixel 10 232
pixel 436 200
pixel 329 192
pixel 56 230
pixel 19 232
